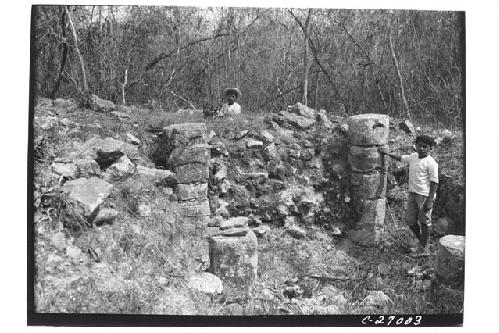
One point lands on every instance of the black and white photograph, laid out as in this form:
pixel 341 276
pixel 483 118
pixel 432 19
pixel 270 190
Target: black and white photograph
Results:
pixel 245 166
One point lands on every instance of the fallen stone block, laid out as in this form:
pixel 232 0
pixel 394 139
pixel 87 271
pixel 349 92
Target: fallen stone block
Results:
pixel 87 167
pixel 156 175
pixel 206 283
pixel 87 194
pixel 368 129
pixel 299 122
pixel 68 170
pixel 450 257
pixel 235 222
pixel 119 170
pixel 234 260
pixel 106 215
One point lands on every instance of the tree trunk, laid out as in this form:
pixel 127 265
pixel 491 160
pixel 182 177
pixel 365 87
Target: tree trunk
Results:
pixel 82 64
pixel 64 56
pixel 400 77
pixel 307 60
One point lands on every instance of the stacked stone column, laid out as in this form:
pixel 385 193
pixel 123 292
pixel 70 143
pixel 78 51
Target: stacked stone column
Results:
pixel 189 159
pixel 366 133
pixel 233 257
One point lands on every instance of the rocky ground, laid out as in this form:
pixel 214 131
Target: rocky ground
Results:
pixel 108 237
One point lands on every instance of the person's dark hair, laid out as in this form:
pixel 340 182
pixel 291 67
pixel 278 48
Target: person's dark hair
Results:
pixel 425 139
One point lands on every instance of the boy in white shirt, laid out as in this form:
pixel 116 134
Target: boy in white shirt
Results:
pixel 422 186
pixel 230 107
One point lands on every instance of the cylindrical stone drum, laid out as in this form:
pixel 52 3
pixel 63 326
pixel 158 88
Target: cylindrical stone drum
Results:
pixel 366 159
pixel 192 173
pixel 368 185
pixel 191 192
pixel 189 154
pixel 366 234
pixel 450 257
pixel 368 129
pixel 234 260
pixel 370 211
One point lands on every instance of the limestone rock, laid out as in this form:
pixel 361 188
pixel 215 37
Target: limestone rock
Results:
pixel 323 121
pixel 234 260
pixel 106 215
pixel 377 301
pixel 296 232
pixel 187 192
pixel 270 152
pixel 206 283
pixel 231 232
pixel 252 143
pixel 366 159
pixel 68 170
pixel 64 103
pixel 303 110
pixel 158 176
pixel 300 122
pixel 87 167
pixel 368 129
pixel 368 186
pixel 235 222
pixel 199 153
pixel 95 103
pixel 267 137
pixel 444 226
pixel 192 173
pixel 87 194
pixel 74 253
pixel 261 230
pixel 450 257
pixel 110 149
pixel 121 169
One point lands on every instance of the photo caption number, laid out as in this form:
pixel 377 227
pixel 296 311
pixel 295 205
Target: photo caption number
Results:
pixel 392 320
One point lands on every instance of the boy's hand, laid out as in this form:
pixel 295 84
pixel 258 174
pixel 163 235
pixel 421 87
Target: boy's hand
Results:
pixel 384 150
pixel 428 204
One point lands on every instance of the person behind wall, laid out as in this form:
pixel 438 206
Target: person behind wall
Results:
pixel 422 186
pixel 230 107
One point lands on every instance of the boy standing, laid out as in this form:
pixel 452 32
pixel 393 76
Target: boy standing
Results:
pixel 422 186
pixel 230 107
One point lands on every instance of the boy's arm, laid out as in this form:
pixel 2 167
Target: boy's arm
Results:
pixel 385 151
pixel 429 202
